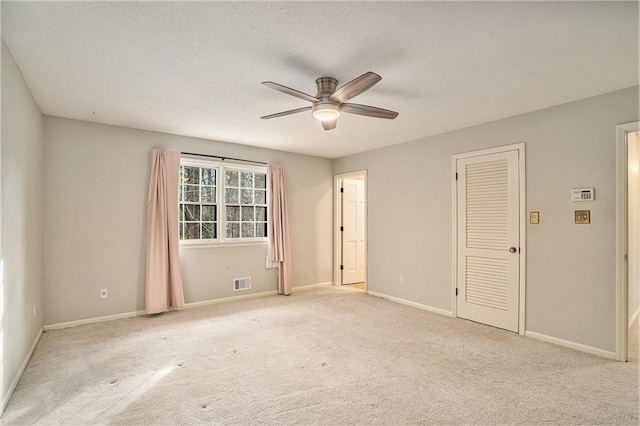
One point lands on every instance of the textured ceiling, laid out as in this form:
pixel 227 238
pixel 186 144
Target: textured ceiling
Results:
pixel 195 68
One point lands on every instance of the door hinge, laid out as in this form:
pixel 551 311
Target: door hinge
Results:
pixel 456 175
pixel 341 189
pixel 341 267
pixel 626 256
pixel 456 291
pixel 342 229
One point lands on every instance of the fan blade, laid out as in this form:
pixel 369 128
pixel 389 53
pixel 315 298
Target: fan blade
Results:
pixel 369 111
pixel 290 91
pixel 329 124
pixel 355 87
pixel 291 111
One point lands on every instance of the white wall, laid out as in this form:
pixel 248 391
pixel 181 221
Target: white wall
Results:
pixel 570 268
pixel 634 223
pixel 96 179
pixel 21 231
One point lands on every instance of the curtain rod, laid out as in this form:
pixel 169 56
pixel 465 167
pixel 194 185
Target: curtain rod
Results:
pixel 223 158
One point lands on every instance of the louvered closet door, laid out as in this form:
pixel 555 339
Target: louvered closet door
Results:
pixel 488 226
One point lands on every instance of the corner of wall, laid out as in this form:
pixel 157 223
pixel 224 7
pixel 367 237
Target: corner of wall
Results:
pixel 20 227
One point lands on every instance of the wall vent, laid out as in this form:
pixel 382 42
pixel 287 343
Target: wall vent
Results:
pixel 241 283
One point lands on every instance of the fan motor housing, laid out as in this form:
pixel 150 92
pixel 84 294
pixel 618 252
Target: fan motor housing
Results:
pixel 326 86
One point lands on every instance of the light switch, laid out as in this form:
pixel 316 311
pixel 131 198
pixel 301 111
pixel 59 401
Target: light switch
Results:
pixel 582 216
pixel 534 218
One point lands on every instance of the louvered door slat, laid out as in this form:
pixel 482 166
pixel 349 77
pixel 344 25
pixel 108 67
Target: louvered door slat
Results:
pixel 481 180
pixel 487 282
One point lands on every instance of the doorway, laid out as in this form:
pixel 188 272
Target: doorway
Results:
pixel 350 235
pixel 627 240
pixel 633 223
pixel 489 234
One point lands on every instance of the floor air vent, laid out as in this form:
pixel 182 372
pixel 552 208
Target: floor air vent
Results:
pixel 241 283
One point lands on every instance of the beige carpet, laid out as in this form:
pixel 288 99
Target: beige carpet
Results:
pixel 323 356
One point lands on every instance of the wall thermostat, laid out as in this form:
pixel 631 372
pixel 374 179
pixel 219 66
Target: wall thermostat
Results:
pixel 583 194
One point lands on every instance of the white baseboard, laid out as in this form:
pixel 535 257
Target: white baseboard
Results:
pixel 560 342
pixel 229 299
pixel 311 286
pixel 69 324
pixel 7 396
pixel 95 320
pixel 412 304
pixel 572 345
pixel 634 318
pixel 252 295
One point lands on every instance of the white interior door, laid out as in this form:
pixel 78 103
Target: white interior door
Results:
pixel 488 243
pixel 353 235
pixel 633 228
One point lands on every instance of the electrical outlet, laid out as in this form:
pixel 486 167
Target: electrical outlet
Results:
pixel 312 278
pixel 401 279
pixel 104 293
pixel 35 310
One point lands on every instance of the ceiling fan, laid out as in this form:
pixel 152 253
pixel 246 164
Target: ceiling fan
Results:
pixel 328 102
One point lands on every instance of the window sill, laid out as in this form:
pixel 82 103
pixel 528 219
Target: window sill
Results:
pixel 220 245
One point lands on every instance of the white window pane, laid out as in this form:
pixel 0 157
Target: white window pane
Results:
pixel 261 196
pixel 209 213
pixel 208 194
pixel 233 213
pixel 231 178
pixel 260 180
pixel 208 230
pixel 246 196
pixel 261 214
pixel 233 230
pixel 192 193
pixel 247 214
pixel 261 229
pixel 231 196
pixel 191 175
pixel 191 212
pixel 246 179
pixel 208 176
pixel 247 230
pixel 192 231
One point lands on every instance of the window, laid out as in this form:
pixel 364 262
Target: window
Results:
pixel 222 203
pixel 198 207
pixel 245 197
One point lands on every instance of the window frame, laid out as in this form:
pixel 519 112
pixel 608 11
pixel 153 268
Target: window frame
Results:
pixel 221 168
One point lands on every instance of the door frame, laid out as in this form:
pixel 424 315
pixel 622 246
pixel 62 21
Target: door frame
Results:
pixel 337 215
pixel 622 230
pixel 520 147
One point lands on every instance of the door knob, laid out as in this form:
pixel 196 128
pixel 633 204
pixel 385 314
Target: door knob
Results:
pixel 512 249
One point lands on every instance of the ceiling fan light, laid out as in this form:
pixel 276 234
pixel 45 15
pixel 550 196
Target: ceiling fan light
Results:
pixel 326 111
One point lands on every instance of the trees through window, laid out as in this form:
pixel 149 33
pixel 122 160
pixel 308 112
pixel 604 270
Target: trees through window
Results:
pixel 222 203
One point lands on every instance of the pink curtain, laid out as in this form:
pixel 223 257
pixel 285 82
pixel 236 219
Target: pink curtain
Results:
pixel 278 252
pixel 164 282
